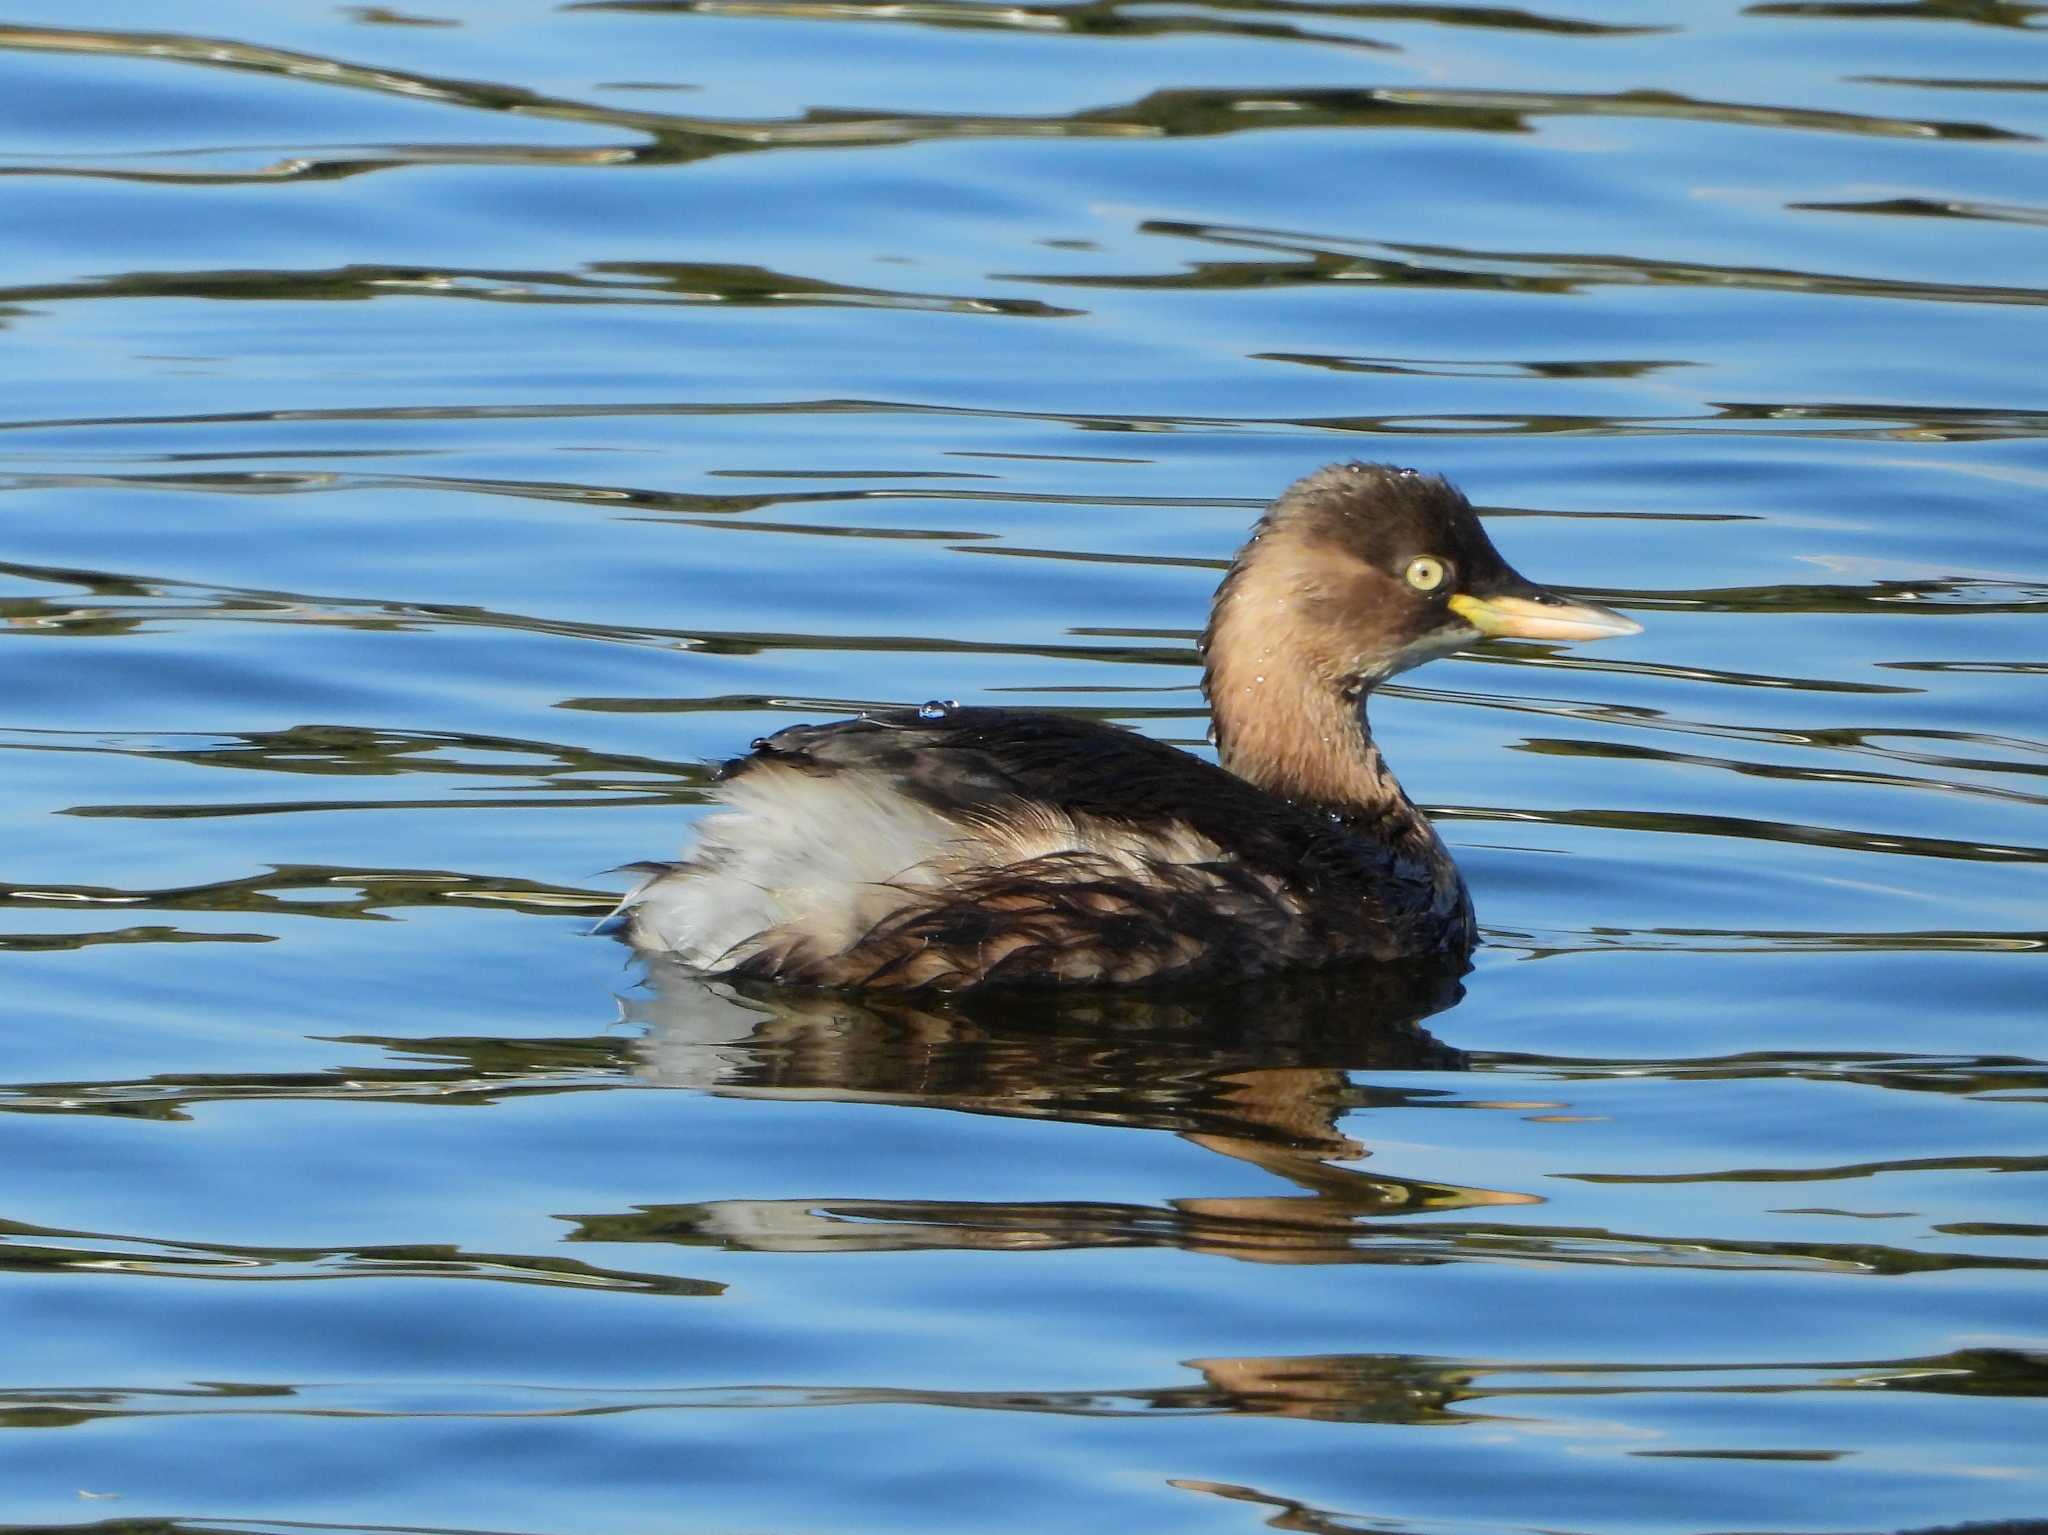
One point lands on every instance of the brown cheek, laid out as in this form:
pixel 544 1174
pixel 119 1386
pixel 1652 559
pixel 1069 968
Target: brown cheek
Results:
pixel 1376 599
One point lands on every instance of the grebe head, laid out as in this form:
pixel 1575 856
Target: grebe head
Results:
pixel 1363 571
pixel 1357 572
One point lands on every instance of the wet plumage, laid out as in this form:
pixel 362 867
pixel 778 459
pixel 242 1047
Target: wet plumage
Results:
pixel 951 848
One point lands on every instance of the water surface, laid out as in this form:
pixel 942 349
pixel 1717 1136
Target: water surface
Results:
pixel 430 437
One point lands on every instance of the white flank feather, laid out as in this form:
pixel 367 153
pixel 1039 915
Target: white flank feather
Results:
pixel 790 852
pixel 798 859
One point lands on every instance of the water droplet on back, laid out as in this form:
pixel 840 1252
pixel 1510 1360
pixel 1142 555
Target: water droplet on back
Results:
pixel 938 708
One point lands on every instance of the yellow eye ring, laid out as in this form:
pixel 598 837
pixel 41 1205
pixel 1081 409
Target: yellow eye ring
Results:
pixel 1425 573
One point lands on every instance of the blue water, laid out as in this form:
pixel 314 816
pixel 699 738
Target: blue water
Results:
pixel 427 438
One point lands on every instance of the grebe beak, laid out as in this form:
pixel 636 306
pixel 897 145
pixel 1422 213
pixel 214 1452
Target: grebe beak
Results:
pixel 1539 615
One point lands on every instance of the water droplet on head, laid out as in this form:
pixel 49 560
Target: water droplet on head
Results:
pixel 1408 474
pixel 938 708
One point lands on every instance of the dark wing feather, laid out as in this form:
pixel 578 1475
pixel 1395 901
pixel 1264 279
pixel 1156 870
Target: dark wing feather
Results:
pixel 970 757
pixel 973 761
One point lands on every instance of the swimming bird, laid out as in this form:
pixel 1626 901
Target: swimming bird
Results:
pixel 949 848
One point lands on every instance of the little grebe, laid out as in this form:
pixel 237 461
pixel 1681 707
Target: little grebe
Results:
pixel 950 847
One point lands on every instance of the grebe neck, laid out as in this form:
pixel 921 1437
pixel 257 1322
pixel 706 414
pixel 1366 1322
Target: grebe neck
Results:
pixel 1287 665
pixel 1300 739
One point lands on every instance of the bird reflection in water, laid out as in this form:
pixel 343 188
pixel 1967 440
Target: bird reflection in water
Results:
pixel 1263 1074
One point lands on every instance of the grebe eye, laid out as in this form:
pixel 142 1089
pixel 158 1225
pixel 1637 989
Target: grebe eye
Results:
pixel 1425 573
